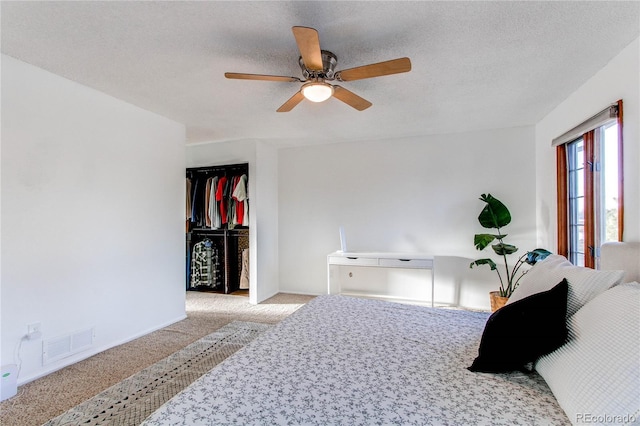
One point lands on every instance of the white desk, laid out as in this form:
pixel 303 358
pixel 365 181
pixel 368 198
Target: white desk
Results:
pixel 377 260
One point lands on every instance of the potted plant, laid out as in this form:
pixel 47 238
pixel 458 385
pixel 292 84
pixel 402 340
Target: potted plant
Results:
pixel 495 215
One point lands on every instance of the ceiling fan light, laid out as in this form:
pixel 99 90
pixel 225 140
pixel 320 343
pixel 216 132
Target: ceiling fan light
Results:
pixel 317 92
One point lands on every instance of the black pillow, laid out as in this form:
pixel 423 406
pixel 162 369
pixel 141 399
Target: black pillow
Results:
pixel 522 331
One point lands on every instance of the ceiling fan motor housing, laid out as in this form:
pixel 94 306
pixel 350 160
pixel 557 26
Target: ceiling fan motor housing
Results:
pixel 329 62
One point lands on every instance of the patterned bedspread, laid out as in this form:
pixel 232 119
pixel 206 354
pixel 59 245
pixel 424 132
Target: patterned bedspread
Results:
pixel 348 361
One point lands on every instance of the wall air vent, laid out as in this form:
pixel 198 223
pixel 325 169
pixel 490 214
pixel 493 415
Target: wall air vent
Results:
pixel 61 347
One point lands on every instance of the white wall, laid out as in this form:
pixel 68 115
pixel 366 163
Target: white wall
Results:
pixel 619 79
pixel 266 205
pixel 263 205
pixel 409 195
pixel 92 216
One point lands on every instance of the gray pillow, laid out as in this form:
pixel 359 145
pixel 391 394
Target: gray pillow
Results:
pixel 584 283
pixel 595 376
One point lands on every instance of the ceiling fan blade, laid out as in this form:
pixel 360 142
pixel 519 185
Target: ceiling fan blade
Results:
pixel 291 103
pixel 309 45
pixel 242 76
pixel 393 66
pixel 350 98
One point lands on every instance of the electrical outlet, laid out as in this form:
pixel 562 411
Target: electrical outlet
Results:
pixel 33 328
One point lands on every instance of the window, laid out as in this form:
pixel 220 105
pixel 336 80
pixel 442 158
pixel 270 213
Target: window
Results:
pixel 575 170
pixel 590 199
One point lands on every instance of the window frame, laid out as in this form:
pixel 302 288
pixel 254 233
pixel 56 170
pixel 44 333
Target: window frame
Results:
pixel 562 179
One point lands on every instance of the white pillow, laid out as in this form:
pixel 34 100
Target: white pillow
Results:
pixel 595 376
pixel 584 283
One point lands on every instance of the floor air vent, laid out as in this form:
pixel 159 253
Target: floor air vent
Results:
pixel 64 346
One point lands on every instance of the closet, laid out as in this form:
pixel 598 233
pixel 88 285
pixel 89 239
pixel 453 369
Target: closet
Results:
pixel 217 228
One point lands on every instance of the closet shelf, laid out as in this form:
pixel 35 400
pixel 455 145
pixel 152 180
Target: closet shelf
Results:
pixel 237 230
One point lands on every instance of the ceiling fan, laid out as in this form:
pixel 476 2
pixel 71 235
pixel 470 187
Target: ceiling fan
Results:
pixel 318 67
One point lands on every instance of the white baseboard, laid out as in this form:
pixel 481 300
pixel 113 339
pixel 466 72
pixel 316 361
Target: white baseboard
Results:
pixel 84 355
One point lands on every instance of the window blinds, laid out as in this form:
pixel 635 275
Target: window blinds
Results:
pixel 605 116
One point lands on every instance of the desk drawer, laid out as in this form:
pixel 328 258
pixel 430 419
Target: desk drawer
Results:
pixel 357 261
pixel 407 263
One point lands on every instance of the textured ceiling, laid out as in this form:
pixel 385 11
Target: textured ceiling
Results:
pixel 476 65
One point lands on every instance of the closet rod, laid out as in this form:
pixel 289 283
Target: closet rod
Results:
pixel 235 231
pixel 208 231
pixel 244 168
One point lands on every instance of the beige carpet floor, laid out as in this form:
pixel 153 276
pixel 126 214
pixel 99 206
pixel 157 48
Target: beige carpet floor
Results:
pixel 45 398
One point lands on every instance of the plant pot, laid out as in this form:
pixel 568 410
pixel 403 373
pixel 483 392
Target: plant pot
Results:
pixel 497 301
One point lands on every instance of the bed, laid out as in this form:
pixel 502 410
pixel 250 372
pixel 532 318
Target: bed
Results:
pixel 350 361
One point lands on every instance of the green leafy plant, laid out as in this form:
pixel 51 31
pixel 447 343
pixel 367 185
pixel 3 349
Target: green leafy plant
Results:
pixel 495 215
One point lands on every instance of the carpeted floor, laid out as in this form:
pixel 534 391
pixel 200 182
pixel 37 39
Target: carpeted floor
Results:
pixel 48 397
pixel 132 400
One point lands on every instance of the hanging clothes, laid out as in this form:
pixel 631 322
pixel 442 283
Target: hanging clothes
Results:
pixel 242 203
pixel 188 269
pixel 194 196
pixel 207 196
pixel 188 207
pixel 231 206
pixel 228 190
pixel 188 213
pixel 214 209
pixel 221 199
pixel 244 275
pixel 215 200
pixel 205 265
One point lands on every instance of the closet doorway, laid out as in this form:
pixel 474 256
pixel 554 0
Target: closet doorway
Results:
pixel 217 229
